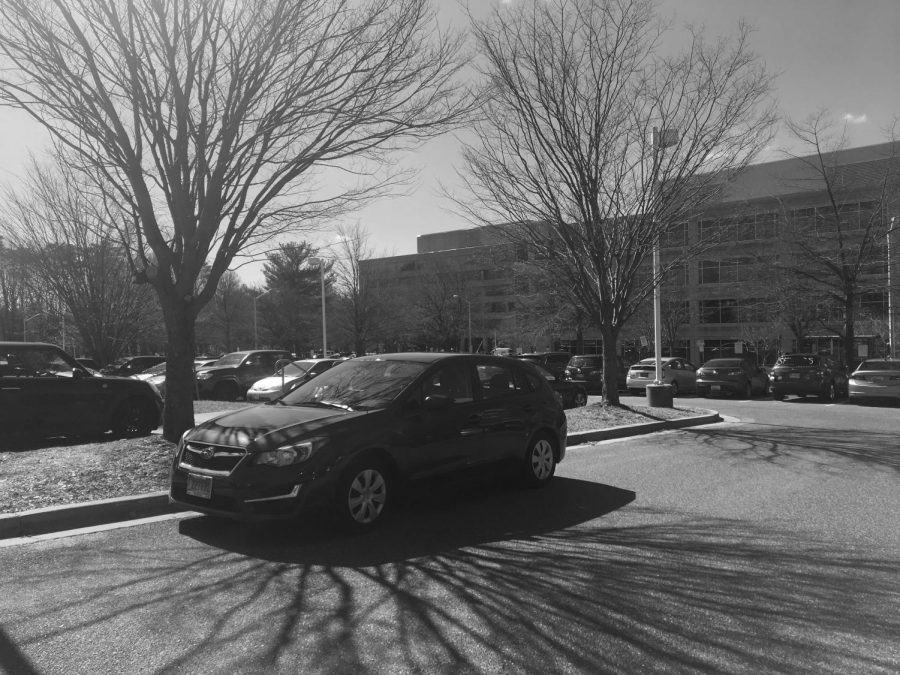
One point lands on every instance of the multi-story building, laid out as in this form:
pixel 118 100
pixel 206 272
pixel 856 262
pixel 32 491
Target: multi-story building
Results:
pixel 728 298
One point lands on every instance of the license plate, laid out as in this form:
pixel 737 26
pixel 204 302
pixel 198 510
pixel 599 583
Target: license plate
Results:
pixel 199 486
pixel 715 387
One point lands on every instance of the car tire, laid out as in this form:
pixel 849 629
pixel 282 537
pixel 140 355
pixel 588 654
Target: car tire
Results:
pixel 540 462
pixel 748 390
pixel 363 495
pixel 634 392
pixel 778 396
pixel 674 386
pixel 225 391
pixel 828 394
pixel 559 398
pixel 581 399
pixel 134 417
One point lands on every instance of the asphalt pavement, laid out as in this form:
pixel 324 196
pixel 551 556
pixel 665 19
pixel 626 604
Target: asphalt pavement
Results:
pixel 103 512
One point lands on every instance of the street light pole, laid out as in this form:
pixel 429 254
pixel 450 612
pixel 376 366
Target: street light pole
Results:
pixel 255 329
pixel 890 290
pixel 661 140
pixel 320 262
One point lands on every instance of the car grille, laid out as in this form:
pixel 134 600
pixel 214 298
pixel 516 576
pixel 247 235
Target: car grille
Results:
pixel 218 460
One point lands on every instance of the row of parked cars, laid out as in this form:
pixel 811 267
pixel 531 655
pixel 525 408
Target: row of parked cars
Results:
pixel 793 374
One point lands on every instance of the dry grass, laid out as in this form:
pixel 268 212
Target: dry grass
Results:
pixel 67 472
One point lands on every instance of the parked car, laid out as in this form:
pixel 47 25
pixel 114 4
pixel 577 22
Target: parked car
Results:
pixel 289 376
pixel 875 379
pixel 350 437
pixel 153 371
pixel 588 369
pixel 203 362
pixel 676 371
pixel 734 376
pixel 46 392
pixel 555 362
pixel 569 394
pixel 90 364
pixel 131 365
pixel 803 374
pixel 229 378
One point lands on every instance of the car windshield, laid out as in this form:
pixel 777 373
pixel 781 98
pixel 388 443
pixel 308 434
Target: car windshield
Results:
pixel 796 360
pixel 357 384
pixel 295 368
pixel 233 359
pixel 879 365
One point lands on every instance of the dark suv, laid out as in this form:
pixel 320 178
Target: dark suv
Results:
pixel 230 377
pixel 809 374
pixel 588 369
pixel 46 392
pixel 555 362
pixel 131 365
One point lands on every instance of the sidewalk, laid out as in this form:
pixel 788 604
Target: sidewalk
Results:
pixel 106 511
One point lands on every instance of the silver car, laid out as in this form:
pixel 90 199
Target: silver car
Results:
pixel 676 371
pixel 876 379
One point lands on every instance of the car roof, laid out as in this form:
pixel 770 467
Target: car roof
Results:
pixel 431 357
pixel 27 344
pixel 652 359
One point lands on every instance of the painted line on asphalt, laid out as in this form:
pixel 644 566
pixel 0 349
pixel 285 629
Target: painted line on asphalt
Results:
pixel 30 539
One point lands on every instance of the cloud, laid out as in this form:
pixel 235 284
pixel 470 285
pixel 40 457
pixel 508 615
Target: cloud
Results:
pixel 850 118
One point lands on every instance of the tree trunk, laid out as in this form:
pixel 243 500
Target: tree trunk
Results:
pixel 610 365
pixel 178 414
pixel 849 332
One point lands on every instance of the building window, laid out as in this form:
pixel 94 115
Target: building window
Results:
pixel 718 311
pixel 674 236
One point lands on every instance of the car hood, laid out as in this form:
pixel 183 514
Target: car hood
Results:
pixel 269 425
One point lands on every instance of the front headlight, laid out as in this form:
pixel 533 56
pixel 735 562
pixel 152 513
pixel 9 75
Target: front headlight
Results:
pixel 204 375
pixel 291 453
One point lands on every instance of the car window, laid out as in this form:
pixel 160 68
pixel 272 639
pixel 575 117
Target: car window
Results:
pixel 497 381
pixel 797 360
pixel 452 381
pixel 233 359
pixel 34 363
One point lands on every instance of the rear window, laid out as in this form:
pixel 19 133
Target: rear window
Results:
pixel 879 365
pixel 797 360
pixel 586 361
pixel 724 363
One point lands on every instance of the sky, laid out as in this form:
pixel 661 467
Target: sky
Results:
pixel 838 55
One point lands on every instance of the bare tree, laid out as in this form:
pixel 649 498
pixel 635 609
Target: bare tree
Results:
pixel 67 238
pixel 830 248
pixel 209 120
pixel 572 144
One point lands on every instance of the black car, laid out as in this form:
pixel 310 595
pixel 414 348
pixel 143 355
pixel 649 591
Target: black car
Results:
pixel 46 392
pixel 588 369
pixel 555 362
pixel 229 378
pixel 809 374
pixel 350 437
pixel 569 394
pixel 131 365
pixel 735 376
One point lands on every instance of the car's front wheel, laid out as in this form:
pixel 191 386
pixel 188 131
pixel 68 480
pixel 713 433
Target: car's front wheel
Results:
pixel 580 399
pixel 828 394
pixel 363 495
pixel 540 462
pixel 134 417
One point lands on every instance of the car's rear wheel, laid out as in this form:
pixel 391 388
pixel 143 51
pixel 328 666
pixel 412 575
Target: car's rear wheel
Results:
pixel 134 417
pixel 225 391
pixel 540 462
pixel 748 390
pixel 828 394
pixel 363 496
pixel 674 386
pixel 778 396
pixel 580 399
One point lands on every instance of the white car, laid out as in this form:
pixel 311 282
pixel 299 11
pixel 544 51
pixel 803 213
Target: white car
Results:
pixel 288 378
pixel 876 379
pixel 678 372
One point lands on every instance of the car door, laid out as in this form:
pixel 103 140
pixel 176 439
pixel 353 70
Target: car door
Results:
pixel 507 403
pixel 688 374
pixel 441 430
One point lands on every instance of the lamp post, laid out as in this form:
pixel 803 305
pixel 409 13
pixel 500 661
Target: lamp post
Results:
pixel 255 328
pixel 469 305
pixel 320 263
pixel 890 289
pixel 25 321
pixel 661 140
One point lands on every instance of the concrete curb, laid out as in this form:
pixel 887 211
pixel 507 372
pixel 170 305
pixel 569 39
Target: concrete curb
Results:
pixel 105 511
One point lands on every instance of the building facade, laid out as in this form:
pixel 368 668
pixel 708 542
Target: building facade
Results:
pixel 731 298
